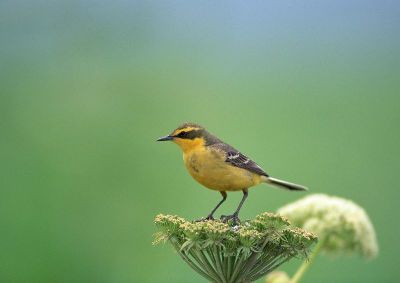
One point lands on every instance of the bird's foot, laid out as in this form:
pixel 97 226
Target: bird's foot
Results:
pixel 234 217
pixel 208 218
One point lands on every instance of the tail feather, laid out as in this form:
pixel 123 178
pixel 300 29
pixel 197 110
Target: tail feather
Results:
pixel 284 184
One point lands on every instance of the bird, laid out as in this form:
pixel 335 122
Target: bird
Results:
pixel 220 167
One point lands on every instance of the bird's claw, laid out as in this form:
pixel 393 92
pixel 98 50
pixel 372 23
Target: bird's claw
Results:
pixel 208 218
pixel 234 217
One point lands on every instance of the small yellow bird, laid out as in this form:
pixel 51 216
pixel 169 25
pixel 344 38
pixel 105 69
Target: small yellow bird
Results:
pixel 220 167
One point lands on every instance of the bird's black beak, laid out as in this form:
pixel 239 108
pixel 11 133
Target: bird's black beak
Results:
pixel 166 138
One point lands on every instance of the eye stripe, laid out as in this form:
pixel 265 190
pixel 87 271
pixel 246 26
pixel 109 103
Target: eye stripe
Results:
pixel 182 134
pixel 189 134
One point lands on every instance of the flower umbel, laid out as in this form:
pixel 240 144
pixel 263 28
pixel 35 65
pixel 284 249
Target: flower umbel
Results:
pixel 342 225
pixel 222 252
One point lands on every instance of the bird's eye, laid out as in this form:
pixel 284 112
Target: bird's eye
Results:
pixel 182 134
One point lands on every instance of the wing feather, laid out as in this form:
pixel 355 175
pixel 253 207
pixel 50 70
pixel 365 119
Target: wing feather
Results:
pixel 236 158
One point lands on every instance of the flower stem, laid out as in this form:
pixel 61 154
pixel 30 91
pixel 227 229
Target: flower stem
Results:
pixel 306 264
pixel 187 259
pixel 218 264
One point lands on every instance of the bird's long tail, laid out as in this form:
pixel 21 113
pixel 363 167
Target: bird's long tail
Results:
pixel 283 184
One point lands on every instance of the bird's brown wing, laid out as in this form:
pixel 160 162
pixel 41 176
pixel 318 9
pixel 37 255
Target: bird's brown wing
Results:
pixel 235 158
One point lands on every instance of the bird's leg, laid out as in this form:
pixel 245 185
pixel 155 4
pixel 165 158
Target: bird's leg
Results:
pixel 235 215
pixel 210 216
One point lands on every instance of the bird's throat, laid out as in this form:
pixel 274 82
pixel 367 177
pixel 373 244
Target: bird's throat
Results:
pixel 188 145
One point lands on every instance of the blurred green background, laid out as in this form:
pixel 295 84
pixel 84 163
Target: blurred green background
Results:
pixel 309 89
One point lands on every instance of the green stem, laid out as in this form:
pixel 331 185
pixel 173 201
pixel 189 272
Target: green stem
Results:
pixel 230 262
pixel 185 257
pixel 224 262
pixel 265 266
pixel 306 264
pixel 206 262
pixel 237 267
pixel 218 263
pixel 210 254
pixel 251 261
pixel 268 270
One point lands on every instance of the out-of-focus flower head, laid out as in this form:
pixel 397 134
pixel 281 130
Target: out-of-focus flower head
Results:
pixel 342 225
pixel 277 277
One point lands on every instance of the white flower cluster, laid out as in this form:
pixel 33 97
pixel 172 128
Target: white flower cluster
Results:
pixel 342 225
pixel 277 277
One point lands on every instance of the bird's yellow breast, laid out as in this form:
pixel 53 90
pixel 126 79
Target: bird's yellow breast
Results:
pixel 209 168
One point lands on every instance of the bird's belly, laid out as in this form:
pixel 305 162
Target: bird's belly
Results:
pixel 211 170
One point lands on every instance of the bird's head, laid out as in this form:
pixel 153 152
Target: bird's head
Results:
pixel 189 136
